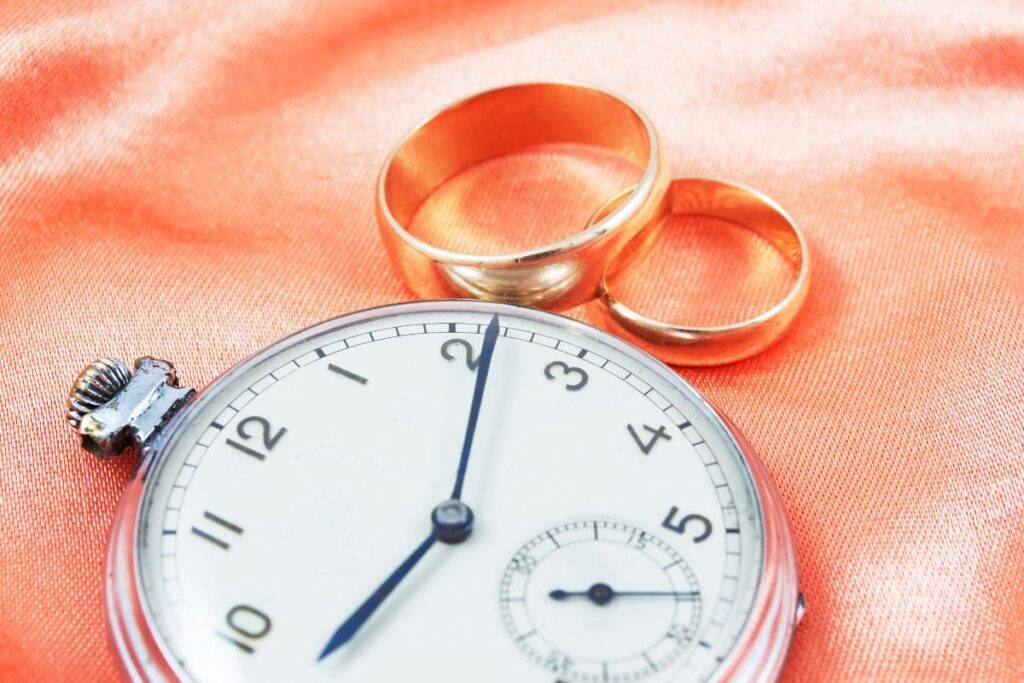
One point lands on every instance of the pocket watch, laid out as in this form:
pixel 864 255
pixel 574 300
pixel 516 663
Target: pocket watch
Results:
pixel 456 489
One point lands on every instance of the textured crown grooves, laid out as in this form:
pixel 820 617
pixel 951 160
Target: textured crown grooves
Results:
pixel 95 386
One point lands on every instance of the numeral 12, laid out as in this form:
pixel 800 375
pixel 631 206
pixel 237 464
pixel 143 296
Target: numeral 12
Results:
pixel 265 432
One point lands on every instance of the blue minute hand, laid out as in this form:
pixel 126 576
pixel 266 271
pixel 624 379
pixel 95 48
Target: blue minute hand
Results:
pixel 452 520
pixel 490 337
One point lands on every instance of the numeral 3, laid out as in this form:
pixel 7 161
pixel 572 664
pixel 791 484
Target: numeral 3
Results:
pixel 568 371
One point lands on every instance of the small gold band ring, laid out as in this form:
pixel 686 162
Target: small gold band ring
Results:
pixel 688 345
pixel 555 276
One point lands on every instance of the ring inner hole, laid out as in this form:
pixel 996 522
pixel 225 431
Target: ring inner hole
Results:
pixel 521 200
pixel 704 271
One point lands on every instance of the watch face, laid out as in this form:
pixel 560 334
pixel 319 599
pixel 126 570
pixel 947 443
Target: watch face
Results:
pixel 607 528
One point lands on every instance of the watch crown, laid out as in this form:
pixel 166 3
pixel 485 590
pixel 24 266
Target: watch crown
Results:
pixel 95 386
pixel 114 410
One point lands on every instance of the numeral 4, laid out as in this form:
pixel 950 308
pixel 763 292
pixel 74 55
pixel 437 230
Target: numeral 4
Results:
pixel 655 436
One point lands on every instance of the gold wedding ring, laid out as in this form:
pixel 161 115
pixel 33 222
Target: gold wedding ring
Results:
pixel 587 264
pixel 689 345
pixel 555 276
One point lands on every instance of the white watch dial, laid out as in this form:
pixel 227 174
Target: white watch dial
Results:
pixel 615 536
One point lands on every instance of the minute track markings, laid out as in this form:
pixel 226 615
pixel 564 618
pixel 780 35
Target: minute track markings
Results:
pixel 451 328
pixel 524 636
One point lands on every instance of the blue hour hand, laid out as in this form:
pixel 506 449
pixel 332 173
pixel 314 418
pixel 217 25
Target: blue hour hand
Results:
pixel 351 625
pixel 452 523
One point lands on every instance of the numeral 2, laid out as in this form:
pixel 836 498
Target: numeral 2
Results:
pixel 467 348
pixel 266 433
pixel 247 624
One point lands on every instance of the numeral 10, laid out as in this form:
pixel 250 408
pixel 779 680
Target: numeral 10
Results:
pixel 247 625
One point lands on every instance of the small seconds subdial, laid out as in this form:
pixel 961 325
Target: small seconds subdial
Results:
pixel 600 600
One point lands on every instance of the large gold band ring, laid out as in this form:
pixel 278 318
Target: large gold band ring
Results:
pixel 688 345
pixel 555 276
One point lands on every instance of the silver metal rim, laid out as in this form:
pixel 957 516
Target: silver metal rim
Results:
pixel 754 650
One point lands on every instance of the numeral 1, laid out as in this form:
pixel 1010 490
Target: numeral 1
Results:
pixel 346 373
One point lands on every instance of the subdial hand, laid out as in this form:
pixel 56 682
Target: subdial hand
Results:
pixel 602 594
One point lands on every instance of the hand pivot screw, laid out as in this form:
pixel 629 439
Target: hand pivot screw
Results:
pixel 453 521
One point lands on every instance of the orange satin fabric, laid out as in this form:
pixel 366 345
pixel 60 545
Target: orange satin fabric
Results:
pixel 194 181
